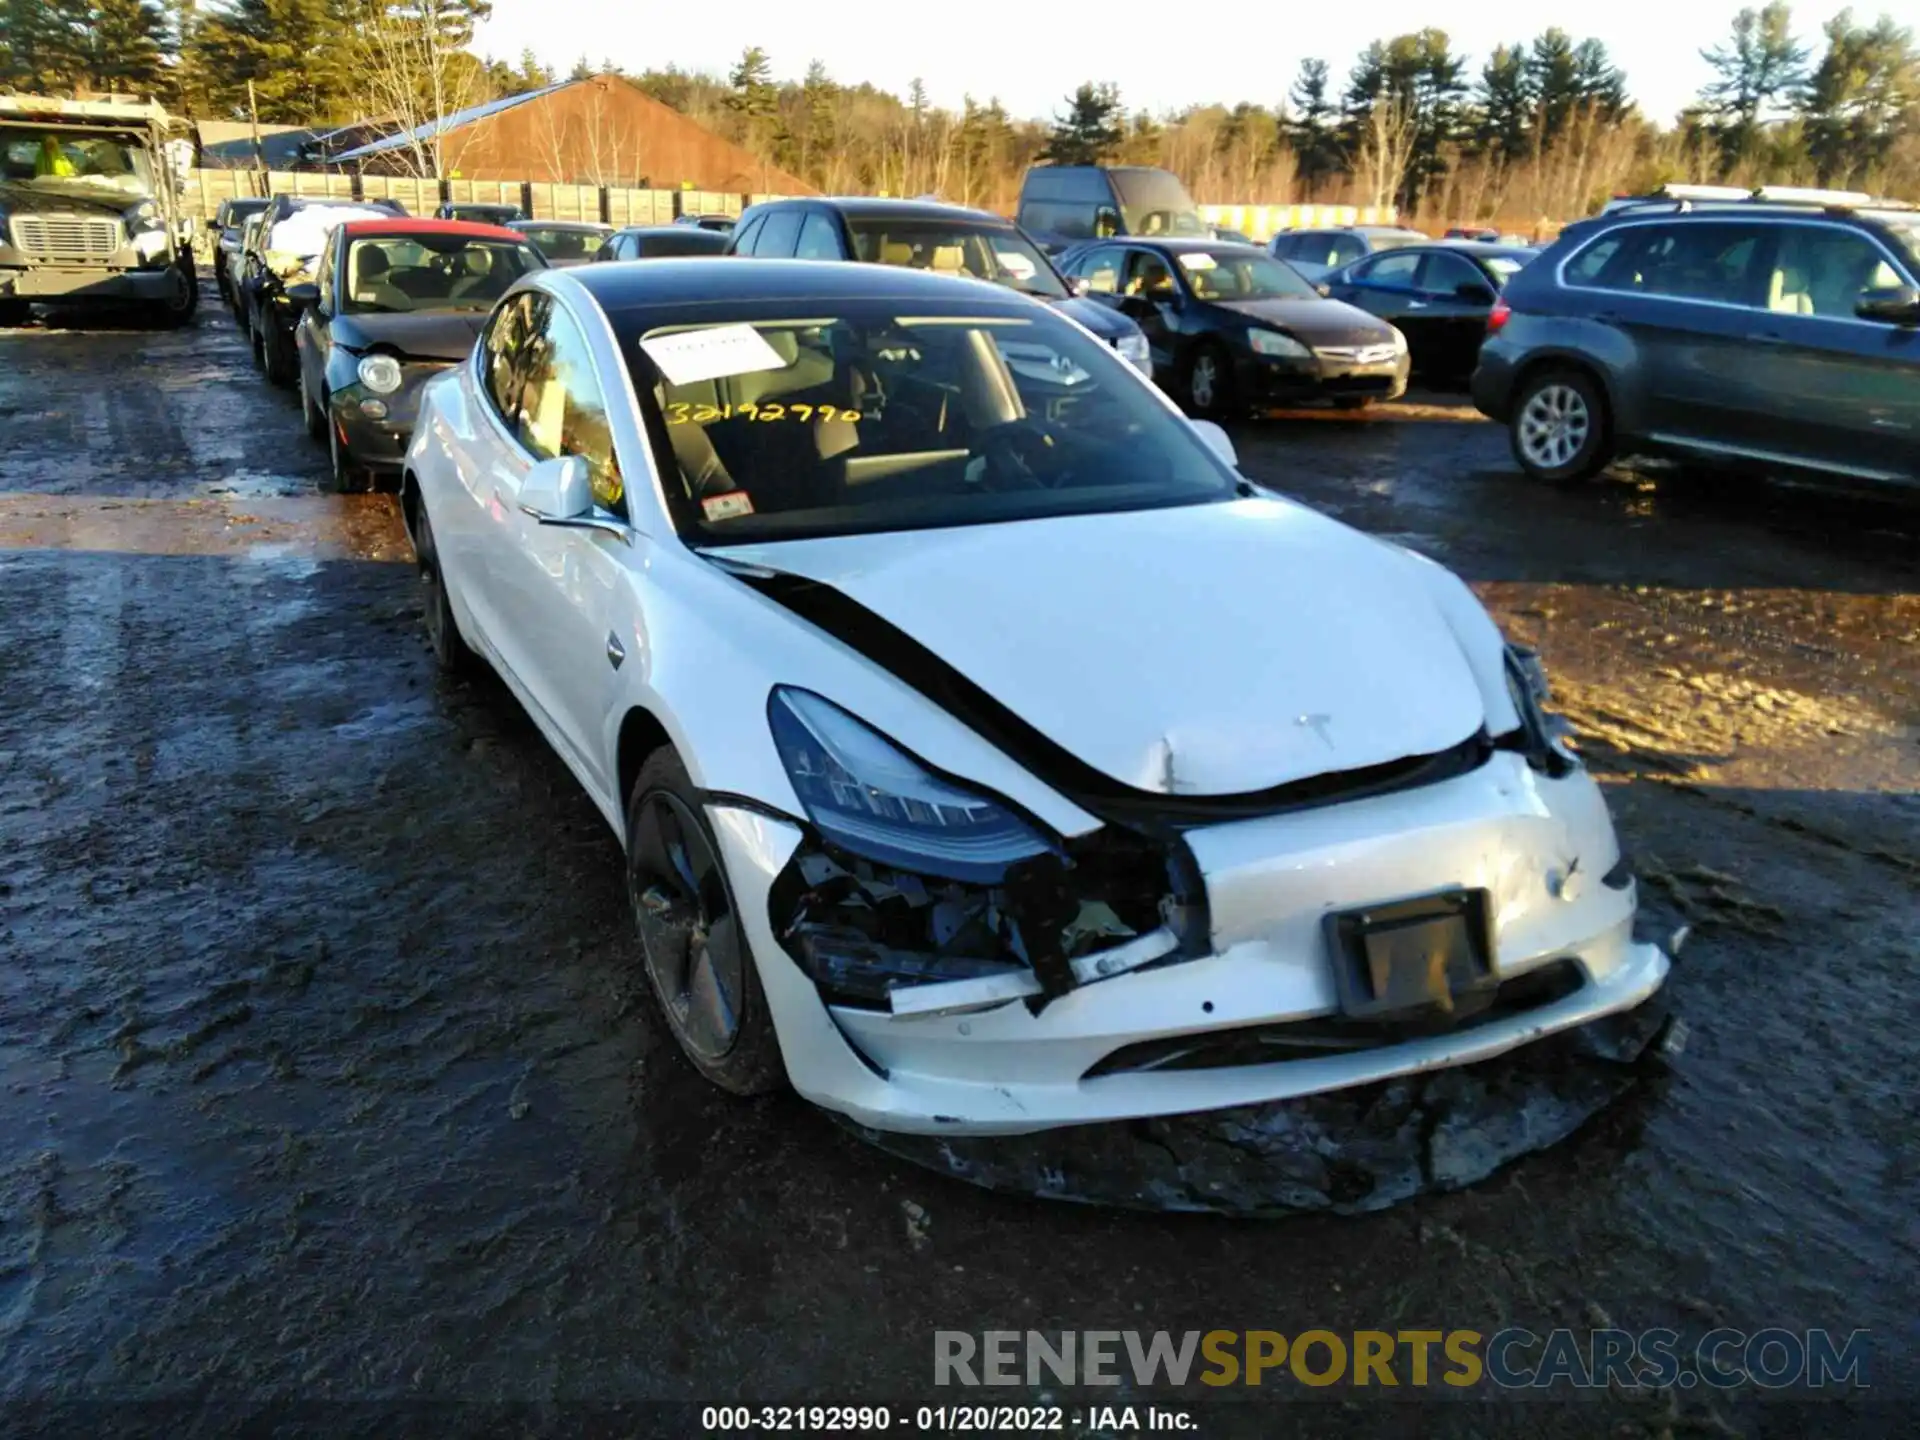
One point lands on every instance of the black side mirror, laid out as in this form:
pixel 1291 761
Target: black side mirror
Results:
pixel 1897 305
pixel 304 294
pixel 1474 293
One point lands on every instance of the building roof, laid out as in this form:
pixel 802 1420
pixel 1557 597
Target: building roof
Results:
pixel 446 123
pixel 367 229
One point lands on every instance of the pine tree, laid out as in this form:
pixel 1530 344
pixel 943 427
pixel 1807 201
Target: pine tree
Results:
pixel 1506 99
pixel 119 44
pixel 1090 131
pixel 753 100
pixel 290 49
pixel 1310 131
pixel 1757 71
pixel 1863 93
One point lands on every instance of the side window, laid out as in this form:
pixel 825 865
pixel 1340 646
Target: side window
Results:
pixel 776 240
pixel 819 239
pixel 1445 274
pixel 1101 269
pixel 1345 248
pixel 1393 268
pixel 744 241
pixel 1590 264
pixel 500 351
pixel 1689 261
pixel 1822 270
pixel 323 277
pixel 1149 275
pixel 1053 217
pixel 563 411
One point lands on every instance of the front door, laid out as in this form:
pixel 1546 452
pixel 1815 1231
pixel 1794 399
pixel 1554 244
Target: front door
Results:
pixel 1847 390
pixel 566 582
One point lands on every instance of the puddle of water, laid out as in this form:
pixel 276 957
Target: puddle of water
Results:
pixel 386 719
pixel 253 485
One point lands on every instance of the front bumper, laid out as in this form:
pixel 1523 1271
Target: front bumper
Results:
pixel 380 442
pixel 1269 882
pixel 1272 380
pixel 83 284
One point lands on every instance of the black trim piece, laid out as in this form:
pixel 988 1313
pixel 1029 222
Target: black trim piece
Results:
pixel 914 665
pixel 730 800
pixel 1621 875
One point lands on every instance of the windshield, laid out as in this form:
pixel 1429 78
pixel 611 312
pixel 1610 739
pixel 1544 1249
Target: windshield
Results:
pixel 431 272
pixel 565 244
pixel 1241 275
pixel 869 419
pixel 1908 232
pixel 54 157
pixel 1154 202
pixel 240 211
pixel 983 252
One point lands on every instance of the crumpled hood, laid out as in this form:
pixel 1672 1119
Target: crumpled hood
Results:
pixel 65 197
pixel 417 334
pixel 1316 321
pixel 1213 649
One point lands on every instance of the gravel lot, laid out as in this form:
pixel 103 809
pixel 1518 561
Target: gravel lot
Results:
pixel 326 1072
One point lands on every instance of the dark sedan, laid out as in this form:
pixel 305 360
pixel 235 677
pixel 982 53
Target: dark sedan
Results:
pixel 564 242
pixel 928 235
pixel 228 225
pixel 652 242
pixel 394 303
pixel 1230 328
pixel 1438 296
pixel 480 212
pixel 268 276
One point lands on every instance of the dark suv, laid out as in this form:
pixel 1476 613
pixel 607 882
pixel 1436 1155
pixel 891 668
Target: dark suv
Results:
pixel 1759 332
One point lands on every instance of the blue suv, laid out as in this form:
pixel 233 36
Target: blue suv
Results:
pixel 1763 333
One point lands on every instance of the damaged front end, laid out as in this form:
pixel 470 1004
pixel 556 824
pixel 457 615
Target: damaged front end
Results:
pixel 916 896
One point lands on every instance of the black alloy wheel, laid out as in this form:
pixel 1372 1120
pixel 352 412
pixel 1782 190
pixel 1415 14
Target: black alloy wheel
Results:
pixel 691 941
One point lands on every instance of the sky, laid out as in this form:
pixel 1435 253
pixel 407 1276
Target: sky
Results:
pixel 1162 56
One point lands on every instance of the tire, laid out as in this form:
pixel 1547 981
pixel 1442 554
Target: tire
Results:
pixel 450 649
pixel 254 341
pixel 14 313
pixel 179 311
pixel 280 362
pixel 1209 383
pixel 350 477
pixel 1560 429
pixel 696 959
pixel 312 415
pixel 1352 402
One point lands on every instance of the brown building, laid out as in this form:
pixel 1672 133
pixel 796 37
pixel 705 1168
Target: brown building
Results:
pixel 600 131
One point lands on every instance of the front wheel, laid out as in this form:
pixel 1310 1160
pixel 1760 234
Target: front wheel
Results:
pixel 349 475
pixel 281 362
pixel 692 944
pixel 312 415
pixel 177 309
pixel 14 313
pixel 1559 429
pixel 1210 386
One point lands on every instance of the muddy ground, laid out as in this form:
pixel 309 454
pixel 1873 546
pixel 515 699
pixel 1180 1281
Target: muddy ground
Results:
pixel 326 1072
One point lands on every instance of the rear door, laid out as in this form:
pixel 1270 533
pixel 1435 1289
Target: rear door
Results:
pixel 1847 390
pixel 1454 296
pixel 1685 294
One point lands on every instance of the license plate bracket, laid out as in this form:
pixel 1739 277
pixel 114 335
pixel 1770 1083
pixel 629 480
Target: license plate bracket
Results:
pixel 1424 954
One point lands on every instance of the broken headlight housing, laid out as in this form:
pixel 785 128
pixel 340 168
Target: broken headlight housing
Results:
pixel 868 797
pixel 1540 733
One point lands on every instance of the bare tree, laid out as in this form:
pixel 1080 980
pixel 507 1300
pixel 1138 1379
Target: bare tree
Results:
pixel 1386 148
pixel 416 71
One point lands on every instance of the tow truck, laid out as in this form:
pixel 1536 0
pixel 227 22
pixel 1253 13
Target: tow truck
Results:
pixel 91 208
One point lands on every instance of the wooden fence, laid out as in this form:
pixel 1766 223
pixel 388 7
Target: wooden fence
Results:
pixel 539 201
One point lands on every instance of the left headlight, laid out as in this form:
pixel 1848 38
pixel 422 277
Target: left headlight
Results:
pixel 146 230
pixel 1273 343
pixel 1136 352
pixel 380 374
pixel 866 795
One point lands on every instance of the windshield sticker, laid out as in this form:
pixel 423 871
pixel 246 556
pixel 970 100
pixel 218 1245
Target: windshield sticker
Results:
pixel 1199 260
pixel 681 412
pixel 687 357
pixel 1015 264
pixel 728 506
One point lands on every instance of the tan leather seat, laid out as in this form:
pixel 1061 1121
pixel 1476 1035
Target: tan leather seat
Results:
pixel 896 252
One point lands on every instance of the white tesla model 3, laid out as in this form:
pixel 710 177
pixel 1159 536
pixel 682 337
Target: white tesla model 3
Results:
pixel 987 753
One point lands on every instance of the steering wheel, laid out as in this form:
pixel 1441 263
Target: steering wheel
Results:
pixel 1022 455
